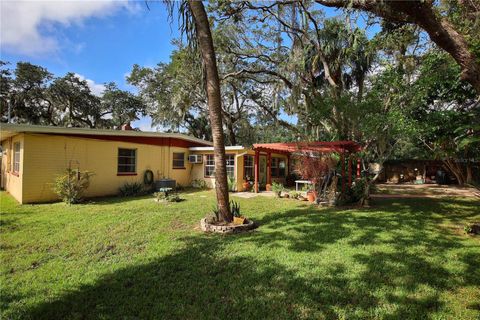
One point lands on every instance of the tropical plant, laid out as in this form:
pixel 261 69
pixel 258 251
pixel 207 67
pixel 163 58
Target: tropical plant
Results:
pixel 232 184
pixel 131 189
pixel 235 208
pixel 197 27
pixel 71 185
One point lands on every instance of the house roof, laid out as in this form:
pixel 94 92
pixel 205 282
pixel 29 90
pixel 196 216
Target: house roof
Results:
pixel 8 130
pixel 227 148
pixel 315 146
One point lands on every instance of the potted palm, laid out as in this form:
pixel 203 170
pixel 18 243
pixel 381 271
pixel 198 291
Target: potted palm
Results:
pixel 237 217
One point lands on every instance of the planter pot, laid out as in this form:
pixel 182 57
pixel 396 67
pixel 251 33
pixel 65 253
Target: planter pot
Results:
pixel 246 186
pixel 238 220
pixel 311 196
pixel 268 187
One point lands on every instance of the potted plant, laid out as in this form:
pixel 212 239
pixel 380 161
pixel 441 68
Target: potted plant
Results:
pixel 237 217
pixel 268 187
pixel 246 184
pixel 311 196
pixel 277 188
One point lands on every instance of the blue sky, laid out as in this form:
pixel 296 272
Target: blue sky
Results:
pixel 99 40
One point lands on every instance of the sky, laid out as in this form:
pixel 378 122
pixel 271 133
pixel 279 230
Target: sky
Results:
pixel 98 40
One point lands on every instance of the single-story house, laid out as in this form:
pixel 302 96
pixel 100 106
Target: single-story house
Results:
pixel 33 156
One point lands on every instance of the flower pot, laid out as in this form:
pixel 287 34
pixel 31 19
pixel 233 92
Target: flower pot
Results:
pixel 311 196
pixel 238 220
pixel 246 186
pixel 268 187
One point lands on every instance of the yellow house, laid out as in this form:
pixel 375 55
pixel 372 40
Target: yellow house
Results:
pixel 33 156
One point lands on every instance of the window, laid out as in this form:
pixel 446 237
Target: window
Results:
pixel 230 161
pixel 127 161
pixel 248 167
pixel 209 165
pixel 16 157
pixel 178 160
pixel 278 167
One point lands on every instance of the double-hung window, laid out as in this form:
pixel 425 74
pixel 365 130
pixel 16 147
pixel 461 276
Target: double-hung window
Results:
pixel 16 157
pixel 127 161
pixel 178 160
pixel 248 167
pixel 209 165
pixel 230 161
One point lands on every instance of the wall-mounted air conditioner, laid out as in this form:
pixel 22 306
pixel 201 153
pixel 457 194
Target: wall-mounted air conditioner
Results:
pixel 195 158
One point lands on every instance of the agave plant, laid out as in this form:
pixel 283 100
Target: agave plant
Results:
pixel 235 208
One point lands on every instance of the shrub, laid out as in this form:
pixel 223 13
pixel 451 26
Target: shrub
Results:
pixel 199 184
pixel 131 189
pixel 277 188
pixel 167 194
pixel 71 186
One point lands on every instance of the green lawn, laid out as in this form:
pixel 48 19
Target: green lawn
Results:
pixel 135 259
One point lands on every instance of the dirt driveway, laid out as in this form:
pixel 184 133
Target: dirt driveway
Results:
pixel 423 191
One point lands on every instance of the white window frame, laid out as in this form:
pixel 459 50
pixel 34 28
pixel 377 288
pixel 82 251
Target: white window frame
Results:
pixel 210 164
pixel 16 157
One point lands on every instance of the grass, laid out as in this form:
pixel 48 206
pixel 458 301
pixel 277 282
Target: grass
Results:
pixel 134 258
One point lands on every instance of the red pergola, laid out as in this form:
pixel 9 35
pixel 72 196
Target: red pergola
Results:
pixel 341 147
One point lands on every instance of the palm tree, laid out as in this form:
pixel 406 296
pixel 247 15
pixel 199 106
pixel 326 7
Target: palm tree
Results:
pixel 194 9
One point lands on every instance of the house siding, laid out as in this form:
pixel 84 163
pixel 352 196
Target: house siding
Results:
pixel 47 156
pixel 13 182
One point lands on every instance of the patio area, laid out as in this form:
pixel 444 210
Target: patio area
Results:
pixel 345 149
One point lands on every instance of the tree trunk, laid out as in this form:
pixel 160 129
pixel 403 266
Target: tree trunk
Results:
pixel 205 42
pixel 469 178
pixel 422 13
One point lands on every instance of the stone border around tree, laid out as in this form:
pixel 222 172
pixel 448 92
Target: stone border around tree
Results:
pixel 208 227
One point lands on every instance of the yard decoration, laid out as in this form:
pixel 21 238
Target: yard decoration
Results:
pixel 240 223
pixel 311 196
pixel 246 185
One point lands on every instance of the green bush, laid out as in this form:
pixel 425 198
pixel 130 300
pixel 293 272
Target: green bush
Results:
pixel 277 188
pixel 131 189
pixel 71 186
pixel 199 184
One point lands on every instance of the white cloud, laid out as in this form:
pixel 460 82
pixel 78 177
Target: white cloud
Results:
pixel 96 88
pixel 31 27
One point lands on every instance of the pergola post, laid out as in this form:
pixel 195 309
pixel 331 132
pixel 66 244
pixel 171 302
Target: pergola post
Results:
pixel 358 168
pixel 350 171
pixel 288 165
pixel 257 170
pixel 269 169
pixel 342 163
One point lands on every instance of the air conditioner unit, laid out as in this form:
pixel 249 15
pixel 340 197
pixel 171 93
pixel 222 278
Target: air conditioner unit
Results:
pixel 195 158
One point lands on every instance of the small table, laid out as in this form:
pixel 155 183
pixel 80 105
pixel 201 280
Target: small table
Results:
pixel 301 182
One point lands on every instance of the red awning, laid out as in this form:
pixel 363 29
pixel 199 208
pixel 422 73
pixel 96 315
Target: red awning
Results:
pixel 316 146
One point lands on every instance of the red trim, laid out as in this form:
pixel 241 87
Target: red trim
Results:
pixel 155 141
pixel 178 168
pixel 127 174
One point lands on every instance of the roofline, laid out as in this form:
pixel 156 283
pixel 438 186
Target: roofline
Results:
pixel 227 148
pixel 28 128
